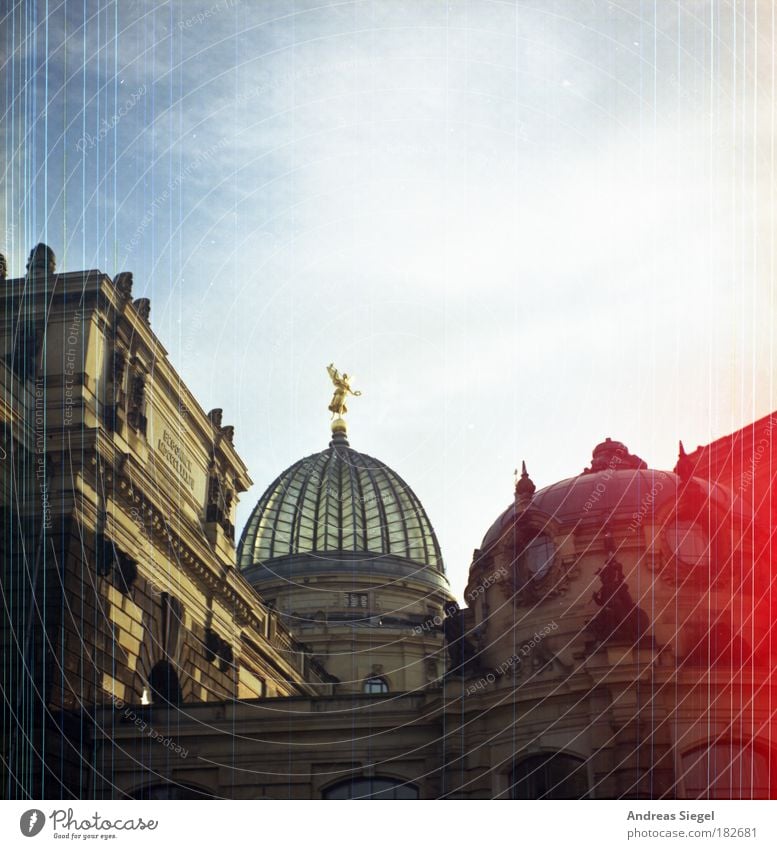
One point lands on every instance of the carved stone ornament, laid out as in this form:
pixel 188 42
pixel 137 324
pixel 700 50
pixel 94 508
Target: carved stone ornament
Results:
pixel 41 260
pixel 214 488
pixel 143 306
pixel 123 284
pixel 118 364
pixel 136 402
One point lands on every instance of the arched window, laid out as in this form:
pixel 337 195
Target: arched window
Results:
pixel 689 543
pixel 164 685
pixel 371 788
pixel 731 770
pixel 538 557
pixel 376 685
pixel 552 775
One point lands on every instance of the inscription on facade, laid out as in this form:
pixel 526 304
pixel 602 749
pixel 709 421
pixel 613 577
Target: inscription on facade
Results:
pixel 176 457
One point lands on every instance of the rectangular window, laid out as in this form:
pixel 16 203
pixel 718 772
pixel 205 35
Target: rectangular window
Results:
pixel 356 600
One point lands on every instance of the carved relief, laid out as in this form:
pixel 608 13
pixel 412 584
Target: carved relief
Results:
pixel 136 405
pixel 116 382
pixel 219 504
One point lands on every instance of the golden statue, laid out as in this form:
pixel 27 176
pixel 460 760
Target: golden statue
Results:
pixel 342 390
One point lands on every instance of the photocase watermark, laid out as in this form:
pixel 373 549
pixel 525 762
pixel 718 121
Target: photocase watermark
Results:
pixel 140 723
pixel 172 185
pixel 66 820
pixel 271 82
pixel 513 662
pixel 73 334
pixel 435 623
pixel 763 444
pixel 31 822
pixel 601 485
pixel 89 141
pixel 8 233
pixel 501 572
pixel 40 450
pixel 647 502
pixel 205 14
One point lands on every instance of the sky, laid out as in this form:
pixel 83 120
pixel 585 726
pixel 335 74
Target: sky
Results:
pixel 521 227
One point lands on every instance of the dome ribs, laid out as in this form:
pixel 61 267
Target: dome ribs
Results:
pixel 358 499
pixel 321 489
pixel 339 500
pixel 284 484
pixel 391 479
pixel 305 485
pixel 383 522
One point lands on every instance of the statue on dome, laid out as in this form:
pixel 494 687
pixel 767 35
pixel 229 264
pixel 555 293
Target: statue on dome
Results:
pixel 620 619
pixel 342 390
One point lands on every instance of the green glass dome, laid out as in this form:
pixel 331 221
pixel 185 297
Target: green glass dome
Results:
pixel 337 502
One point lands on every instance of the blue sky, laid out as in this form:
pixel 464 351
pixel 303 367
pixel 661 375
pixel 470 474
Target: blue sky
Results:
pixel 521 226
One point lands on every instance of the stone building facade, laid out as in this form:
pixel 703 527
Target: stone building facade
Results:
pixel 118 544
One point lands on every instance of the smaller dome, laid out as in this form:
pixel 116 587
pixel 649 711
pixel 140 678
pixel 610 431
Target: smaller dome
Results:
pixel 617 489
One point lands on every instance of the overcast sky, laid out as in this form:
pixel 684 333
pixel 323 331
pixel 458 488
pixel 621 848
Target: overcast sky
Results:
pixel 521 226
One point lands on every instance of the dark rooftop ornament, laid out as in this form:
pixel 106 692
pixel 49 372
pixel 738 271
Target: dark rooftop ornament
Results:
pixel 613 456
pixel 685 466
pixel 143 306
pixel 123 284
pixel 524 488
pixel 41 260
pixel 3 268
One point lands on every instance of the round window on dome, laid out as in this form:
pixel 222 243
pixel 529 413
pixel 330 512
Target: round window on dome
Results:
pixel 689 543
pixel 538 557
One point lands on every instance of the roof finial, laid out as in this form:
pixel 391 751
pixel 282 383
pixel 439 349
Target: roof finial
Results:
pixel 524 488
pixel 337 405
pixel 685 466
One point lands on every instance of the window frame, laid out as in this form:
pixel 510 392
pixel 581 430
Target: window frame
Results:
pixel 582 768
pixel 376 679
